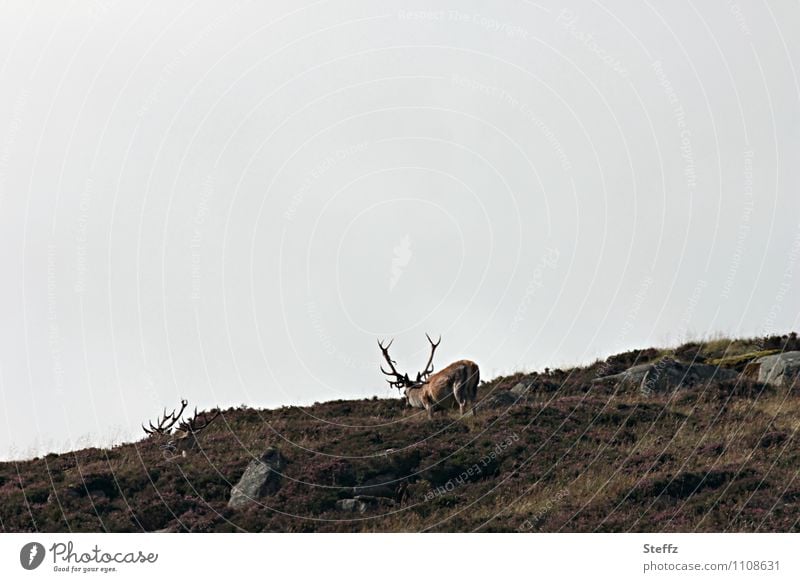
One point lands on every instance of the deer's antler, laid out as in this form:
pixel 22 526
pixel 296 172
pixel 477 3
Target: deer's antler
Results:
pixel 165 422
pixel 192 426
pixel 402 380
pixel 422 376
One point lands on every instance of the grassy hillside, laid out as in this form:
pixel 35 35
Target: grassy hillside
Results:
pixel 568 455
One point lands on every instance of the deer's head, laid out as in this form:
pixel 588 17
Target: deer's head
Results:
pixel 402 381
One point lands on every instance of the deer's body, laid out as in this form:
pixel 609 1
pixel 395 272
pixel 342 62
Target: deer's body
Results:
pixel 454 386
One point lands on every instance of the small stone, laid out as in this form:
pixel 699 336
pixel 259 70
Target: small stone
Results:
pixel 351 505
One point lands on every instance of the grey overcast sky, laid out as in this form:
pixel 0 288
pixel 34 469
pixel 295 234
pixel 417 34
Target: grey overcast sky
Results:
pixel 230 201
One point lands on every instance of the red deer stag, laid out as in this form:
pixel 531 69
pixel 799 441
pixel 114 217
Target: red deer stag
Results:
pixel 457 384
pixel 185 434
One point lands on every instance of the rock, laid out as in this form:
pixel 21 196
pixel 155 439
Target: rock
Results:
pixel 372 502
pixel 261 478
pixel 668 374
pixel 361 503
pixel 383 485
pixel 632 375
pixel 63 496
pixel 351 505
pixel 98 495
pixel 777 369
pixel 498 399
pixel 520 389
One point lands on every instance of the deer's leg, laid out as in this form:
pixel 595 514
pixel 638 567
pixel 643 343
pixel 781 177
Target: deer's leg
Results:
pixel 459 393
pixel 428 403
pixel 473 394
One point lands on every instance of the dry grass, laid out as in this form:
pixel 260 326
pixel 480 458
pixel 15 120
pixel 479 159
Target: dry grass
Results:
pixel 579 457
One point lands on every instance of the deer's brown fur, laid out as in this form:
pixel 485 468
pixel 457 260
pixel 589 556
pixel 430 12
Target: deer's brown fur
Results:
pixel 455 386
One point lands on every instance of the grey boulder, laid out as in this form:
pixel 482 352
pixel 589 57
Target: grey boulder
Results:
pixel 261 478
pixel 777 369
pixel 499 399
pixel 383 485
pixel 520 389
pixel 668 374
